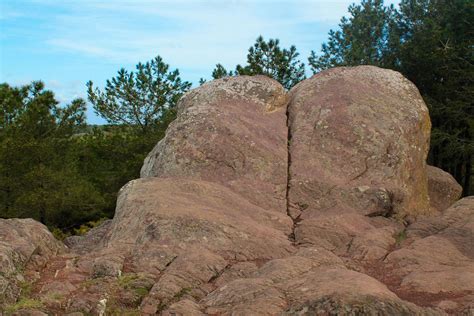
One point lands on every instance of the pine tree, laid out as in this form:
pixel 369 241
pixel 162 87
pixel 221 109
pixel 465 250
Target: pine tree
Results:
pixel 220 72
pixel 269 59
pixel 436 40
pixel 365 38
pixel 139 99
pixel 37 178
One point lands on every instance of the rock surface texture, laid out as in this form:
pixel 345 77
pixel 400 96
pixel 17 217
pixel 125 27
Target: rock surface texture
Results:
pixel 258 201
pixel 24 245
pixel 233 132
pixel 442 188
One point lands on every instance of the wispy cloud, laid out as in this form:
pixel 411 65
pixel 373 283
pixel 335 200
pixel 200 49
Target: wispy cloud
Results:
pixel 71 45
pixel 187 32
pixel 183 35
pixel 77 40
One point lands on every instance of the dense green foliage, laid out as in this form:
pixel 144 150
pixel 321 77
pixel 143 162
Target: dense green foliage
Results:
pixel 436 52
pixel 58 170
pixel 141 98
pixel 365 38
pixel 110 156
pixel 38 174
pixel 268 58
pixel 430 42
pixel 139 106
pixel 63 173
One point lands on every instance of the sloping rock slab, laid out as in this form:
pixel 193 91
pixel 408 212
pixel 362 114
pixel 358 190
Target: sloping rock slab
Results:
pixel 187 233
pixel 316 290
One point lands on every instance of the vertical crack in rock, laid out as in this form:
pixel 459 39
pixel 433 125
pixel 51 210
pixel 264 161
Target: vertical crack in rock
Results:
pixel 292 236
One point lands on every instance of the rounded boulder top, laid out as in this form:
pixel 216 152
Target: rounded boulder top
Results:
pixel 358 129
pixel 260 90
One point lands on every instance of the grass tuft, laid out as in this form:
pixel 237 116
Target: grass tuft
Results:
pixel 24 303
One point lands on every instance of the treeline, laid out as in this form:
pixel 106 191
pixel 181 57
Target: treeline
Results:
pixel 55 168
pixel 64 173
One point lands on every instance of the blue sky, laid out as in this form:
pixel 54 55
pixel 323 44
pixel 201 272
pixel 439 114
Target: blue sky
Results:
pixel 67 43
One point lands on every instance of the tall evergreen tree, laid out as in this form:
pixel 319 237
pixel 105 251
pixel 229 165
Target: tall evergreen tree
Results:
pixel 436 53
pixel 220 72
pixel 139 105
pixel 365 38
pixel 139 99
pixel 268 58
pixel 37 178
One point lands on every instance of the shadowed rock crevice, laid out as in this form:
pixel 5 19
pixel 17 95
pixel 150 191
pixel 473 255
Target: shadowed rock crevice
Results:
pixel 295 220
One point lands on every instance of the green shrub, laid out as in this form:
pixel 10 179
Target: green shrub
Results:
pixel 59 234
pixel 84 228
pixel 400 237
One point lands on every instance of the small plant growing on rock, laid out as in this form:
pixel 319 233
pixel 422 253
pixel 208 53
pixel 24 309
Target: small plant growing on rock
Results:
pixel 24 303
pixel 83 229
pixel 400 237
pixel 302 206
pixel 125 280
pixel 59 234
pixel 178 296
pixel 135 287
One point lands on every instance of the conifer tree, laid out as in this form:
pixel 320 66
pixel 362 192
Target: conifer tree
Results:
pixel 37 178
pixel 139 99
pixel 220 72
pixel 365 38
pixel 268 58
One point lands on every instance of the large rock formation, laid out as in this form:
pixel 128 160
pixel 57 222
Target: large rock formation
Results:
pixel 213 190
pixel 359 138
pixel 259 201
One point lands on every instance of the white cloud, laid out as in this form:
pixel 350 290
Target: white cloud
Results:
pixel 86 48
pixel 188 34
